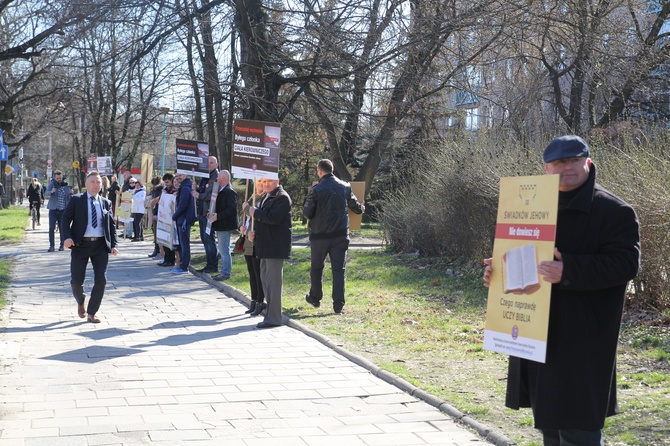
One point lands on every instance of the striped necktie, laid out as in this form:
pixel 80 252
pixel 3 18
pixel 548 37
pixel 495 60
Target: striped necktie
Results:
pixel 94 214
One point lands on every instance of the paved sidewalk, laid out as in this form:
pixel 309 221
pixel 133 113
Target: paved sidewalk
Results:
pixel 177 362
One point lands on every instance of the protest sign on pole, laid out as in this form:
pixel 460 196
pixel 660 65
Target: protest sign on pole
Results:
pixel 92 163
pixel 212 208
pixel 517 313
pixel 105 166
pixel 124 209
pixel 193 158
pixel 146 168
pixel 256 147
pixel 166 230
pixel 358 188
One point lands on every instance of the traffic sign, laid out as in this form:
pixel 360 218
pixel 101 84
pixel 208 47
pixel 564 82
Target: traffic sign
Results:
pixel 9 169
pixel 75 164
pixel 36 173
pixel 4 152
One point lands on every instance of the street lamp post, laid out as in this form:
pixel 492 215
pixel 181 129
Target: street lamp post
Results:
pixel 165 111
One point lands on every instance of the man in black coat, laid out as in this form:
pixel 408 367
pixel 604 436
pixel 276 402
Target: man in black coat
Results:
pixel 597 252
pixel 326 207
pixel 224 221
pixel 89 231
pixel 272 239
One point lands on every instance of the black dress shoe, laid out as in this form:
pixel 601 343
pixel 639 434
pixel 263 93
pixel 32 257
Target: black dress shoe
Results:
pixel 153 254
pixel 313 301
pixel 252 307
pixel 259 309
pixel 266 325
pixel 166 264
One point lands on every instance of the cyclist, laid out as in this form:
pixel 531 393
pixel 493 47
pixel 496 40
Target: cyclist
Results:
pixel 36 196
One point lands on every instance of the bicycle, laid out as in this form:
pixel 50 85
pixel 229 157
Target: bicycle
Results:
pixel 33 213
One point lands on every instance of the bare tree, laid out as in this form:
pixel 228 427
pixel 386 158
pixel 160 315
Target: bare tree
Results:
pixel 115 95
pixel 596 55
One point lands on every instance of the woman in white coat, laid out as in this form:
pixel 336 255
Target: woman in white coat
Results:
pixel 139 194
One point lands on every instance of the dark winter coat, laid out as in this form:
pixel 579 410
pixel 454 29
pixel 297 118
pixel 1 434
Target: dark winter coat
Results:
pixel 111 192
pixel 598 238
pixel 273 226
pixel 226 210
pixel 185 209
pixel 326 208
pixel 35 193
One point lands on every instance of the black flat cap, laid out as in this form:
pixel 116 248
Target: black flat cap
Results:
pixel 569 146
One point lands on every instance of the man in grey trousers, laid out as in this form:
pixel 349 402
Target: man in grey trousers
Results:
pixel 272 242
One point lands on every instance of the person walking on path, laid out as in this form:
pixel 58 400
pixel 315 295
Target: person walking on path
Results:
pixel 58 193
pixel 224 221
pixel 204 198
pixel 597 252
pixel 89 230
pixel 326 207
pixel 272 241
pixel 184 216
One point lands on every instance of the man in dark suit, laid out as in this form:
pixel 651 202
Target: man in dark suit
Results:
pixel 89 230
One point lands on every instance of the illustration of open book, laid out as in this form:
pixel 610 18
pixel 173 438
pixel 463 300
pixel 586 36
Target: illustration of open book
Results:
pixel 519 270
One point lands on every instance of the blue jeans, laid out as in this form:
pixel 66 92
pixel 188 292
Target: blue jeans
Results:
pixel 209 244
pixel 184 245
pixel 55 217
pixel 224 248
pixel 571 437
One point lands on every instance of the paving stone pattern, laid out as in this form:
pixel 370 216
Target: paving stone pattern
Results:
pixel 177 362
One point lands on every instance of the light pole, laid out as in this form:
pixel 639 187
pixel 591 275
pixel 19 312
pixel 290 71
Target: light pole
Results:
pixel 165 111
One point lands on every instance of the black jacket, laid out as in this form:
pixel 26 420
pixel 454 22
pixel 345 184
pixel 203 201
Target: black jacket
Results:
pixel 75 220
pixel 35 193
pixel 111 192
pixel 598 237
pixel 326 208
pixel 226 210
pixel 273 226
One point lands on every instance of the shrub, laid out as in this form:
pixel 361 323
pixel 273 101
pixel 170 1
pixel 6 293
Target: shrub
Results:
pixel 447 205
